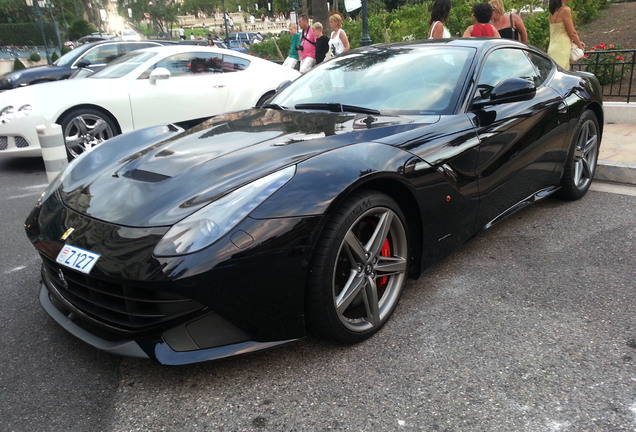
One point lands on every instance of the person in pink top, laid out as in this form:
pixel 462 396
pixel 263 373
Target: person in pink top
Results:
pixel 307 48
pixel 482 13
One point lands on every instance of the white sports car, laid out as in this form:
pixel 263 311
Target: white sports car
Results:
pixel 143 88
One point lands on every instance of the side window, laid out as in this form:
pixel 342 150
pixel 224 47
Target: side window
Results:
pixel 102 54
pixel 234 64
pixel 542 65
pixel 188 64
pixel 503 64
pixel 127 47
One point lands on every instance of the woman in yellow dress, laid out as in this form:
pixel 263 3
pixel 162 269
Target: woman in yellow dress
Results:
pixel 562 33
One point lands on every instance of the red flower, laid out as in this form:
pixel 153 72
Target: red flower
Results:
pixel 619 58
pixel 611 45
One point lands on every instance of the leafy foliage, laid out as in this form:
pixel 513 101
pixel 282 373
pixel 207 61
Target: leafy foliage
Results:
pixel 35 57
pixel 608 65
pixel 538 28
pixel 18 65
pixel 80 28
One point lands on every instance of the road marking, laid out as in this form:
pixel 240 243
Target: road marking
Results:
pixel 15 269
pixel 33 191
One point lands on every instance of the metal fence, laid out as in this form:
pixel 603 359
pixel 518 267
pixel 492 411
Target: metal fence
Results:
pixel 614 70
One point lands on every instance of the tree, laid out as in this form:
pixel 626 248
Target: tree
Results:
pixel 320 13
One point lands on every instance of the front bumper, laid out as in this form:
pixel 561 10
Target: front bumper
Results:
pixel 160 350
pixel 19 137
pixel 231 298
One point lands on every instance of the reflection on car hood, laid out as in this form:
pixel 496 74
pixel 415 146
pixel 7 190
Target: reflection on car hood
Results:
pixel 25 76
pixel 158 176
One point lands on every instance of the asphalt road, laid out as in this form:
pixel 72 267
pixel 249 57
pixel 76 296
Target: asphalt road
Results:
pixel 531 326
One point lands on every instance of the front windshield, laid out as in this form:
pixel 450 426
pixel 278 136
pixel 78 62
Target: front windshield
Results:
pixel 123 65
pixel 72 55
pixel 400 79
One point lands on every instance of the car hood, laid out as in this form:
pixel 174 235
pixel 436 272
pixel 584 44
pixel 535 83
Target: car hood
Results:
pixel 157 176
pixel 37 72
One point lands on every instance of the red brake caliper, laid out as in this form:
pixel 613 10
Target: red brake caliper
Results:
pixel 386 252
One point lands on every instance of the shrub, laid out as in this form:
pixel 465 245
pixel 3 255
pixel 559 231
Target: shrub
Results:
pixel 54 56
pixel 18 65
pixel 35 57
pixel 538 28
pixel 267 49
pixel 81 28
pixel 65 49
pixel 605 63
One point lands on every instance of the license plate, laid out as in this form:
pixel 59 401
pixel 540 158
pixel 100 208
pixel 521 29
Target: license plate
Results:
pixel 77 258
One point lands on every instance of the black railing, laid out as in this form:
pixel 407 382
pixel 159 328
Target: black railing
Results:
pixel 614 70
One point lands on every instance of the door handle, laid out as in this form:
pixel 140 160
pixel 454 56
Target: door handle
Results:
pixel 563 107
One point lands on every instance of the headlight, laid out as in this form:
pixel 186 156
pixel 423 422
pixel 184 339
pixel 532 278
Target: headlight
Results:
pixel 8 113
pixel 213 221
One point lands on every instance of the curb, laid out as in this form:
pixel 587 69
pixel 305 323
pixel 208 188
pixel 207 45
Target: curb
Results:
pixel 615 172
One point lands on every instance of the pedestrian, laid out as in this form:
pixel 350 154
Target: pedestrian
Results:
pixel 322 42
pixel 439 15
pixel 292 59
pixel 509 26
pixel 192 36
pixel 338 42
pixel 562 33
pixel 482 13
pixel 307 47
pixel 181 33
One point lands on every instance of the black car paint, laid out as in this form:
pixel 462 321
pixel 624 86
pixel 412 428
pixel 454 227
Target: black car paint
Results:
pixel 452 175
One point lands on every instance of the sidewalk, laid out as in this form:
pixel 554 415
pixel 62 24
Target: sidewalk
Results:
pixel 617 156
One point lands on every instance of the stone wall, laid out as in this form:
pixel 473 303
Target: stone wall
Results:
pixel 7 65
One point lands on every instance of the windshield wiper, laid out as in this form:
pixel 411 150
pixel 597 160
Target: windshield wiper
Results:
pixel 337 107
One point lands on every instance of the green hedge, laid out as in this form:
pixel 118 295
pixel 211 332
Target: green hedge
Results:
pixel 26 34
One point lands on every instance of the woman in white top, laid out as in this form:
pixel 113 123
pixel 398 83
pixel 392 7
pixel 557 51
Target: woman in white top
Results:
pixel 339 42
pixel 439 15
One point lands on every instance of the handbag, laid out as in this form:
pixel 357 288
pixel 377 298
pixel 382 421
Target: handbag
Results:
pixel 576 53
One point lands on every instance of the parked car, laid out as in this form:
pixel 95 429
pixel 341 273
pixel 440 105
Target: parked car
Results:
pixel 203 42
pixel 91 56
pixel 186 243
pixel 129 35
pixel 246 37
pixel 143 88
pixel 237 45
pixel 95 37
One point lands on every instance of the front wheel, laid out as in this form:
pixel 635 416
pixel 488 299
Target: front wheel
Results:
pixel 359 269
pixel 85 128
pixel 580 165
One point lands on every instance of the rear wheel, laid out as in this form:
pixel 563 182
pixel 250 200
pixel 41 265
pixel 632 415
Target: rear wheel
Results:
pixel 85 128
pixel 359 269
pixel 580 165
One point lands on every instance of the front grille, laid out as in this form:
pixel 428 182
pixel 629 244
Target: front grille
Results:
pixel 21 142
pixel 4 142
pixel 126 308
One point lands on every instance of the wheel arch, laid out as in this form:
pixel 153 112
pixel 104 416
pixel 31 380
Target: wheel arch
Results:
pixel 93 107
pixel 264 97
pixel 597 109
pixel 407 202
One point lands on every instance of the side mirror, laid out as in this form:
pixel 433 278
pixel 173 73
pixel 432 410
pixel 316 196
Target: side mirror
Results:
pixel 509 90
pixel 83 63
pixel 282 85
pixel 159 74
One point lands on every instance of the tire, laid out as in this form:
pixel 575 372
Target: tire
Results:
pixel 580 164
pixel 359 269
pixel 85 128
